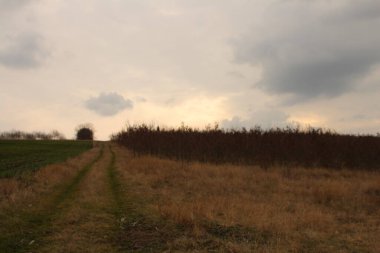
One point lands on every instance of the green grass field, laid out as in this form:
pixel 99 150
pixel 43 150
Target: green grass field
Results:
pixel 20 156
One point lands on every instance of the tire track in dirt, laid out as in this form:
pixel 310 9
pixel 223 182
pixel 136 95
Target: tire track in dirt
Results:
pixel 36 224
pixel 115 187
pixel 119 204
pixel 100 218
pixel 94 212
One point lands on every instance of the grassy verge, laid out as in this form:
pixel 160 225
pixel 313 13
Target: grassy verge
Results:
pixel 24 230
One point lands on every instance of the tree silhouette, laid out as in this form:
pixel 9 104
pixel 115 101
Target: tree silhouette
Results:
pixel 85 132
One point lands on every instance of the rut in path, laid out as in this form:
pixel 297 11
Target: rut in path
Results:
pixel 91 212
pixel 89 222
pixel 82 215
pixel 24 226
pixel 103 218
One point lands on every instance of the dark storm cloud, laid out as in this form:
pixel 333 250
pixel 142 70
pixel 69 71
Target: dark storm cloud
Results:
pixel 108 104
pixel 23 51
pixel 313 49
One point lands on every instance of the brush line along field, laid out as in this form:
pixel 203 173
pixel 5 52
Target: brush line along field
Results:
pixel 19 156
pixel 108 199
pixel 290 146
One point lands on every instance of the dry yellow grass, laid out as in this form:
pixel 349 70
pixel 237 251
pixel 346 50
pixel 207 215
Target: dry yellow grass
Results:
pixel 31 187
pixel 87 223
pixel 28 204
pixel 196 207
pixel 288 209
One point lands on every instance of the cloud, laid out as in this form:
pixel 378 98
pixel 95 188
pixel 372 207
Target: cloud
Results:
pixel 141 99
pixel 108 104
pixel 266 118
pixel 311 49
pixel 23 51
pixel 368 9
pixel 12 4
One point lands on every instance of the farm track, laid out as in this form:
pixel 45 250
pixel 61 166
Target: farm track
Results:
pixel 84 216
pixel 87 223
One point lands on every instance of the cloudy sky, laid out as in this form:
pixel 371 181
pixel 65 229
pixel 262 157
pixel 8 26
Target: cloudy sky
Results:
pixel 236 62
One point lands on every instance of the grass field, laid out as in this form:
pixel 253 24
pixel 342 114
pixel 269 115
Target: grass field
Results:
pixel 19 156
pixel 229 208
pixel 109 200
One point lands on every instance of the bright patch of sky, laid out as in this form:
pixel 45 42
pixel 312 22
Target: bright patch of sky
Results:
pixel 239 63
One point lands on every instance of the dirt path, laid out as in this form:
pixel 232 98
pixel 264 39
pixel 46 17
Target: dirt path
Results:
pixel 81 215
pixel 87 222
pixel 89 211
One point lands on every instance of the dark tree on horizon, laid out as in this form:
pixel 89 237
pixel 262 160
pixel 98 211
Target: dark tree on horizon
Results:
pixel 85 132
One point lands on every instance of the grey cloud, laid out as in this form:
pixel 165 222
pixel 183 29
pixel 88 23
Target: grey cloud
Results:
pixel 264 118
pixel 141 99
pixel 23 51
pixel 360 117
pixel 366 10
pixel 108 104
pixel 314 53
pixel 10 6
pixel 236 74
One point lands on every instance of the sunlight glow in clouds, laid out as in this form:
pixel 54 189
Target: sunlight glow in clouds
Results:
pixel 240 63
pixel 309 120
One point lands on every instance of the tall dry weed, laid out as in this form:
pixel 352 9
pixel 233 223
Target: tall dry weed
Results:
pixel 301 209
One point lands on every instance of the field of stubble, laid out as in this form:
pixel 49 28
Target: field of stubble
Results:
pixel 108 200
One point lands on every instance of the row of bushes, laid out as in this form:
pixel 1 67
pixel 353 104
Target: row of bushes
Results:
pixel 290 146
pixel 20 135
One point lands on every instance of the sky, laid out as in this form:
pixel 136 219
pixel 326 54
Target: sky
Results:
pixel 239 63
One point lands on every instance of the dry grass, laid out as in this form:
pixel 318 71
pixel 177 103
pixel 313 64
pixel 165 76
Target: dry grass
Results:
pixel 220 208
pixel 28 189
pixel 242 208
pixel 87 223
pixel 29 203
